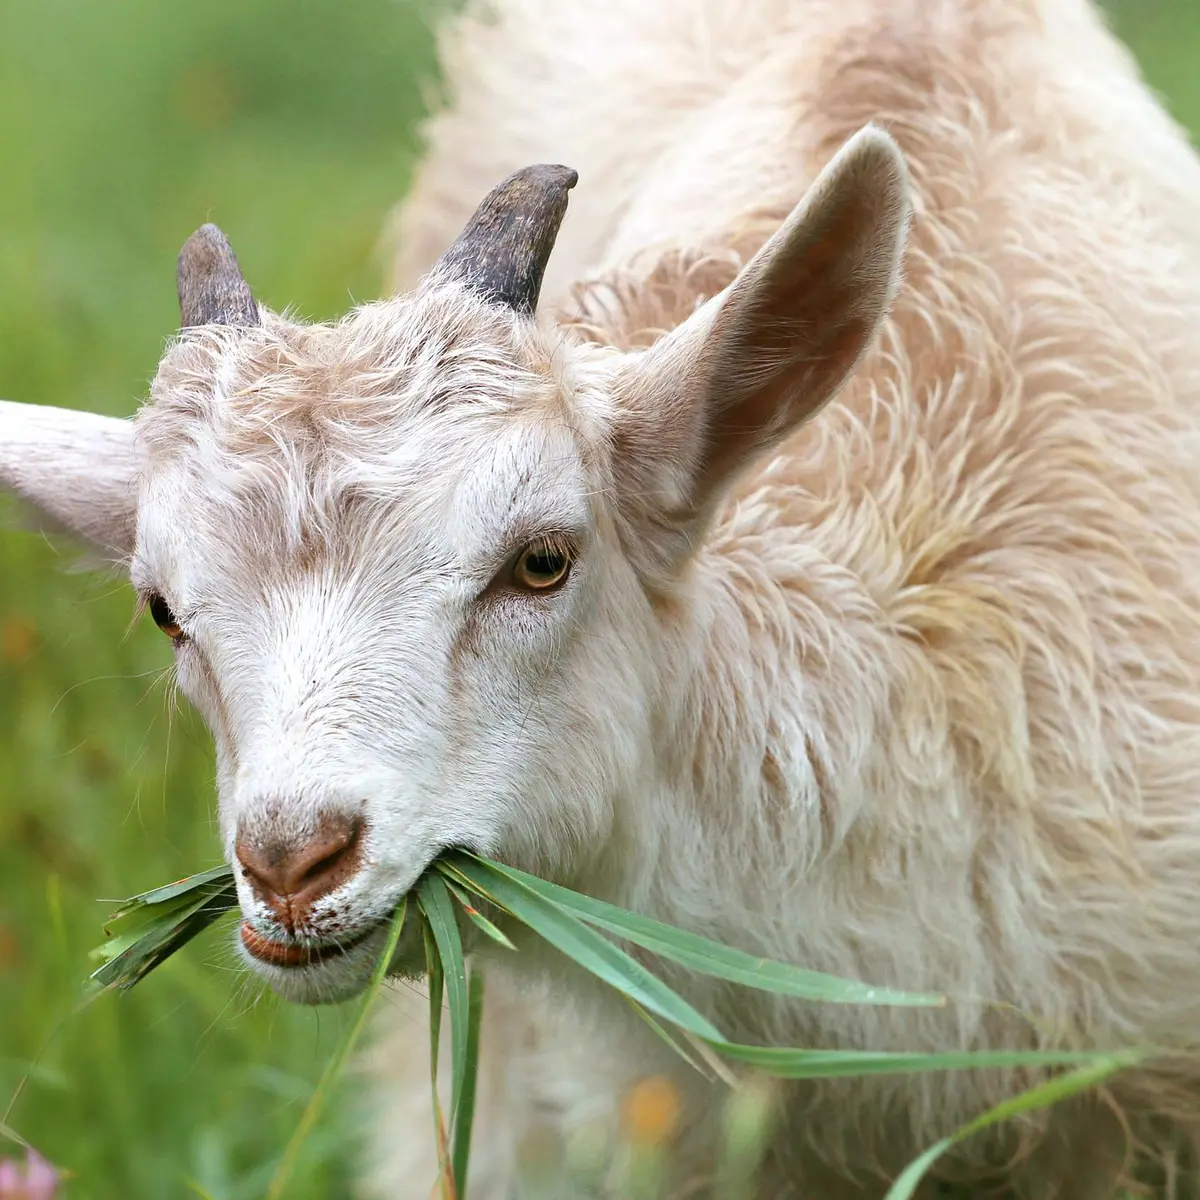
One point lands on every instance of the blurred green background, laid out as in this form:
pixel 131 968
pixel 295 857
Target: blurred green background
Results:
pixel 123 125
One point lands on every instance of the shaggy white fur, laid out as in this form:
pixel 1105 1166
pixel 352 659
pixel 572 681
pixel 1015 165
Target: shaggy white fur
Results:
pixel 934 678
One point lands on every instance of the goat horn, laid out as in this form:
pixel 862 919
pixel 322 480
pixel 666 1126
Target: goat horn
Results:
pixel 502 252
pixel 211 288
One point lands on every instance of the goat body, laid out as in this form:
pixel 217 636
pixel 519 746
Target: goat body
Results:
pixel 929 700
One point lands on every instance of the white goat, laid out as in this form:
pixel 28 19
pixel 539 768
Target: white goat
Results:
pixel 908 690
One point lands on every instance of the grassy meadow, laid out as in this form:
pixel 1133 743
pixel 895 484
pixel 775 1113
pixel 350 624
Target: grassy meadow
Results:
pixel 123 126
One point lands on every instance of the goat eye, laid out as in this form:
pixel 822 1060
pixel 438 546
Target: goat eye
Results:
pixel 164 618
pixel 541 567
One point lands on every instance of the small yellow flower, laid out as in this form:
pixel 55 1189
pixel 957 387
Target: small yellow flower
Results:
pixel 18 639
pixel 651 1111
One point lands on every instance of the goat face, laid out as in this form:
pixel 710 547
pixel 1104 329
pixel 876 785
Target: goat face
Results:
pixel 424 569
pixel 398 600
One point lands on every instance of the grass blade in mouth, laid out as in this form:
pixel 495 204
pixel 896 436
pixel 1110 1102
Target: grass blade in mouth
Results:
pixel 590 949
pixel 448 970
pixel 700 953
pixel 465 1119
pixel 218 879
pixel 476 917
pixel 555 914
pixel 147 929
pixel 800 1063
pixel 433 968
pixel 434 902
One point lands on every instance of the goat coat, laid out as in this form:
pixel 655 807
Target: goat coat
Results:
pixel 928 706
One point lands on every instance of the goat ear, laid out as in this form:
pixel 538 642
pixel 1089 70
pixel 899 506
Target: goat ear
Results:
pixel 762 357
pixel 77 470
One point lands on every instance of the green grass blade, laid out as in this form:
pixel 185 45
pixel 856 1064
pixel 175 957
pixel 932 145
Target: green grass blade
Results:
pixel 584 945
pixel 435 903
pixel 132 957
pixel 711 958
pixel 7 1131
pixel 669 1038
pixel 491 879
pixel 147 916
pixel 476 917
pixel 217 878
pixel 451 871
pixel 1042 1096
pixel 149 928
pixel 511 888
pixel 433 970
pixel 116 946
pixel 156 923
pixel 825 1064
pixel 334 1067
pixel 465 1117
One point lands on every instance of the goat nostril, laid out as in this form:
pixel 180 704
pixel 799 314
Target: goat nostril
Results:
pixel 330 861
pixel 255 867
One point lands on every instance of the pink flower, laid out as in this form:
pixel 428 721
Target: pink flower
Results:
pixel 37 1180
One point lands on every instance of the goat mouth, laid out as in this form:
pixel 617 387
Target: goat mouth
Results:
pixel 290 955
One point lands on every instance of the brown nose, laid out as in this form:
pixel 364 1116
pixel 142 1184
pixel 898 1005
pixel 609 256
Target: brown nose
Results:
pixel 290 877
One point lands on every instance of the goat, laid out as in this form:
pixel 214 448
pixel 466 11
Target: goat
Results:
pixel 816 568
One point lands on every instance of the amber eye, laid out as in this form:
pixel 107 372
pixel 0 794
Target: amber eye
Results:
pixel 164 618
pixel 541 567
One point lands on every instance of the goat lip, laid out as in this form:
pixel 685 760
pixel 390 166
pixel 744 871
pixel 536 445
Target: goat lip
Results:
pixel 290 955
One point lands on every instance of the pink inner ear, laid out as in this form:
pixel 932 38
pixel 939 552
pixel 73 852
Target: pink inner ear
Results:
pixel 752 365
pixel 788 339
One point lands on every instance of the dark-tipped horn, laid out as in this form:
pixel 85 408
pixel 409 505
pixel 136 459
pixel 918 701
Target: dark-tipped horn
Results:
pixel 211 288
pixel 503 251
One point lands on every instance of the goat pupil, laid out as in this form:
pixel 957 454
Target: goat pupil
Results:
pixel 164 618
pixel 545 564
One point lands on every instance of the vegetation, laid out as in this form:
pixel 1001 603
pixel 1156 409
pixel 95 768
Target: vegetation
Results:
pixel 123 126
pixel 457 889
